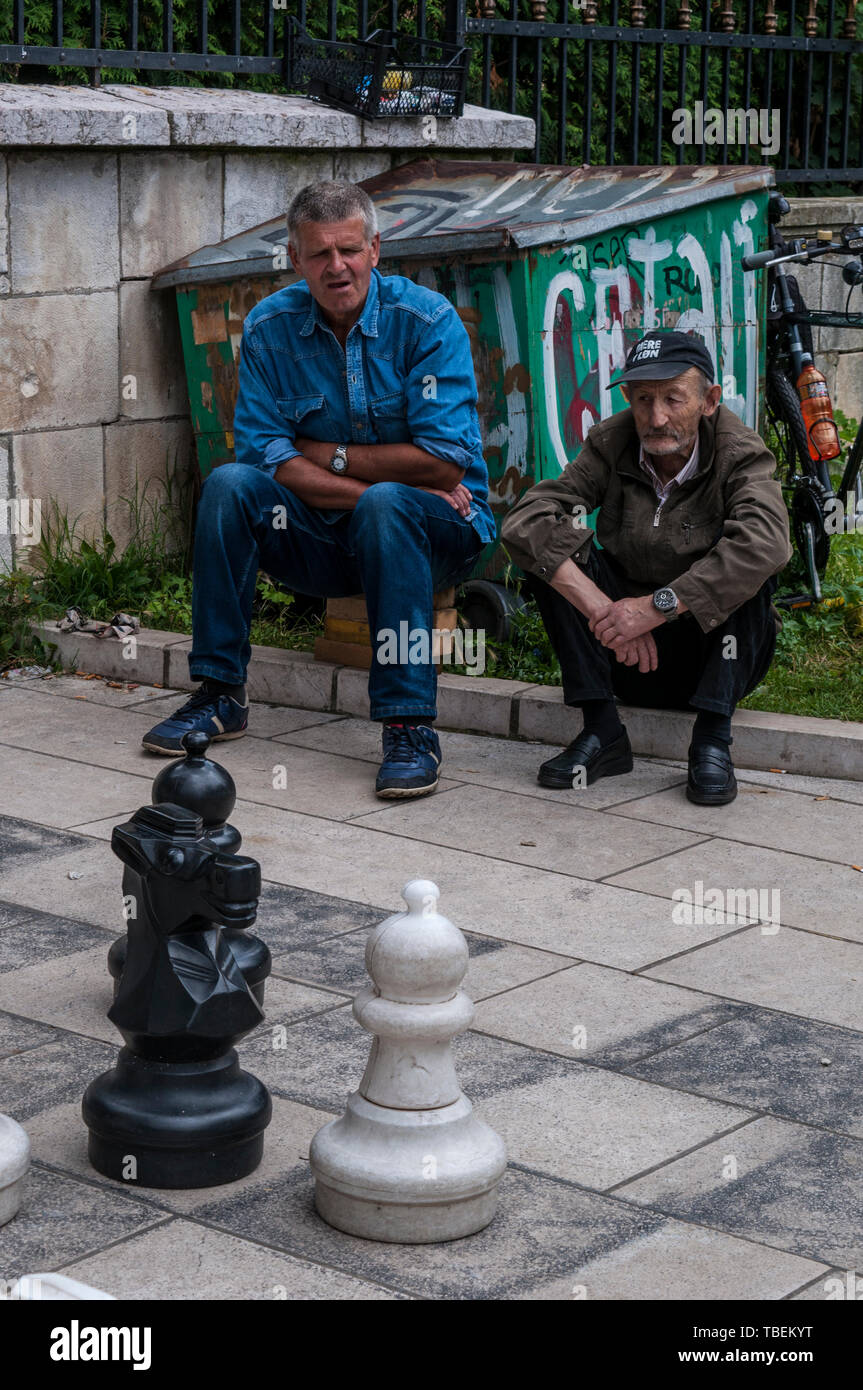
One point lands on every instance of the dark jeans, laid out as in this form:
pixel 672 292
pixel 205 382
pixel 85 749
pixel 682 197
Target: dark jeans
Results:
pixel 398 546
pixel 696 670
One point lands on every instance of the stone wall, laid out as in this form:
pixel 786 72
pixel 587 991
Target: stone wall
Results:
pixel 838 351
pixel 99 189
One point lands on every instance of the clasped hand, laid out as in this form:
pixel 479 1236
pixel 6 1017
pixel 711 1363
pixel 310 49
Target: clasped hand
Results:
pixel 624 626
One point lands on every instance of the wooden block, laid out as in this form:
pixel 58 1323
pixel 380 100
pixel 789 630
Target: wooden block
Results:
pixel 354 608
pixel 347 630
pixel 345 653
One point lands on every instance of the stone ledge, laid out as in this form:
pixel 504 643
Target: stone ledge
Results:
pixel 476 704
pixel 132 117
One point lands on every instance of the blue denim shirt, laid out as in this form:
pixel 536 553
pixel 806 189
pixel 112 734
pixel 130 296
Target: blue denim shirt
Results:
pixel 406 375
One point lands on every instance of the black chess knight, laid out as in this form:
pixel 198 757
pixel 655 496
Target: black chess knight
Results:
pixel 206 787
pixel 177 1110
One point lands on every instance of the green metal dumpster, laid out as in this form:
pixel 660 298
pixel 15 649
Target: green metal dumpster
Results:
pixel 555 272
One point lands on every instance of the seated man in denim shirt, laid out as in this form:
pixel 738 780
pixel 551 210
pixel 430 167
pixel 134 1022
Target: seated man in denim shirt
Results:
pixel 359 467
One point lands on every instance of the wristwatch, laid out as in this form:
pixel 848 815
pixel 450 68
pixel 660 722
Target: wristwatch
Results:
pixel 339 460
pixel 666 602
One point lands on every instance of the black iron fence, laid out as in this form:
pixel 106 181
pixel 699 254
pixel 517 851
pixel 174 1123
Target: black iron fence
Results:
pixel 655 83
pixel 635 82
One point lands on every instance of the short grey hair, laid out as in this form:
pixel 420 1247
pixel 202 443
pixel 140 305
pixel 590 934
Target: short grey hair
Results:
pixel 331 201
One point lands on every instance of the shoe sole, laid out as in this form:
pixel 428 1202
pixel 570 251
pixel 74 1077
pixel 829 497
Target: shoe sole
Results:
pixel 402 793
pixel 181 752
pixel 615 767
pixel 711 798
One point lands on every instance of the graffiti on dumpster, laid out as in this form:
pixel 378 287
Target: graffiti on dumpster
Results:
pixel 612 293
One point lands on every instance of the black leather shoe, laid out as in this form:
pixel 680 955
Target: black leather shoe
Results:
pixel 711 780
pixel 587 752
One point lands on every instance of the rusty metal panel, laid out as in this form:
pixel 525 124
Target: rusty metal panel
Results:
pixel 432 207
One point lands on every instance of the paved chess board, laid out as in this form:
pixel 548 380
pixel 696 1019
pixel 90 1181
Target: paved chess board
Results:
pixel 681 1106
pixel 261 1238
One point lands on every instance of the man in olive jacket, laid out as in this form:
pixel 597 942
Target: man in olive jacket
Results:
pixel 674 611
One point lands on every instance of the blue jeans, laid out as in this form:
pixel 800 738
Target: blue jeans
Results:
pixel 398 546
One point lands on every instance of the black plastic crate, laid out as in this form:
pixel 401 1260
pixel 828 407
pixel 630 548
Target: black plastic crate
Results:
pixel 383 76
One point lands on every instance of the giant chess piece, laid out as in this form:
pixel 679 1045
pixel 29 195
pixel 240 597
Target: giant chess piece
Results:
pixel 176 1110
pixel 208 789
pixel 14 1162
pixel 409 1161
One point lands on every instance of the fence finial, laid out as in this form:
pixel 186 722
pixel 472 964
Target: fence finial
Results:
pixel 849 23
pixel 810 23
pixel 727 19
pixel 770 17
pixel 684 15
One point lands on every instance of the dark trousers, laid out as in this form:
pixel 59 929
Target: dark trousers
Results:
pixel 696 670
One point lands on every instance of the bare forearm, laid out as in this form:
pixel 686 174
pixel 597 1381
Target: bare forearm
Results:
pixel 317 487
pixel 387 463
pixel 402 463
pixel 578 588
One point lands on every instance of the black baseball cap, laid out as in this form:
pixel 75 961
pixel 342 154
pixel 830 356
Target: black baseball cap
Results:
pixel 658 356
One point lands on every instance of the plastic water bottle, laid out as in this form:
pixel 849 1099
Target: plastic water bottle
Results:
pixel 817 411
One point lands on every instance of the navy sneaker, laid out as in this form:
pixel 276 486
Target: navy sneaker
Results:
pixel 215 714
pixel 411 760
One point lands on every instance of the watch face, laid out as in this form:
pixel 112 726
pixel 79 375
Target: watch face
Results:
pixel 339 464
pixel 665 600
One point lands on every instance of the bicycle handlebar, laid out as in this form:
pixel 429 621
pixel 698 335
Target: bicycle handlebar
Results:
pixel 757 260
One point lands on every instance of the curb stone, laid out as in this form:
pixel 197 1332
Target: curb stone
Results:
pixel 763 741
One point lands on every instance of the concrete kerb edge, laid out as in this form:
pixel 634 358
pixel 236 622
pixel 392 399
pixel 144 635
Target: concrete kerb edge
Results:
pixel 762 740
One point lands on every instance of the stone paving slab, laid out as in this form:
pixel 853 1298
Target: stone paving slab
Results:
pixel 676 1261
pixel 528 830
pixel 795 971
pixel 40 935
pixel 183 1260
pixel 805 886
pixel 20 1034
pixel 606 1016
pixel 61 1220
pixel 823 829
pixel 45 1076
pixel 794 1068
pixel 62 793
pixel 798 1189
pixel 97 691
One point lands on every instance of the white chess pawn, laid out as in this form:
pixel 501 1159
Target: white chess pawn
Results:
pixel 14 1162
pixel 409 1161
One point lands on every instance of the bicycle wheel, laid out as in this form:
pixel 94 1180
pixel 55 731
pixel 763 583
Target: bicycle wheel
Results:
pixel 786 417
pixel 800 474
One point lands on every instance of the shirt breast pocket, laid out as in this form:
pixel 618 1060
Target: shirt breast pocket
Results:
pixel 308 415
pixel 389 414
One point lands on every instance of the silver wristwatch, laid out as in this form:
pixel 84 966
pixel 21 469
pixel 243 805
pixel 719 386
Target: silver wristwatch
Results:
pixel 339 460
pixel 666 602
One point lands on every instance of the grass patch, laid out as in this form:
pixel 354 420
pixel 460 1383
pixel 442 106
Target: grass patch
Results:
pixel 818 667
